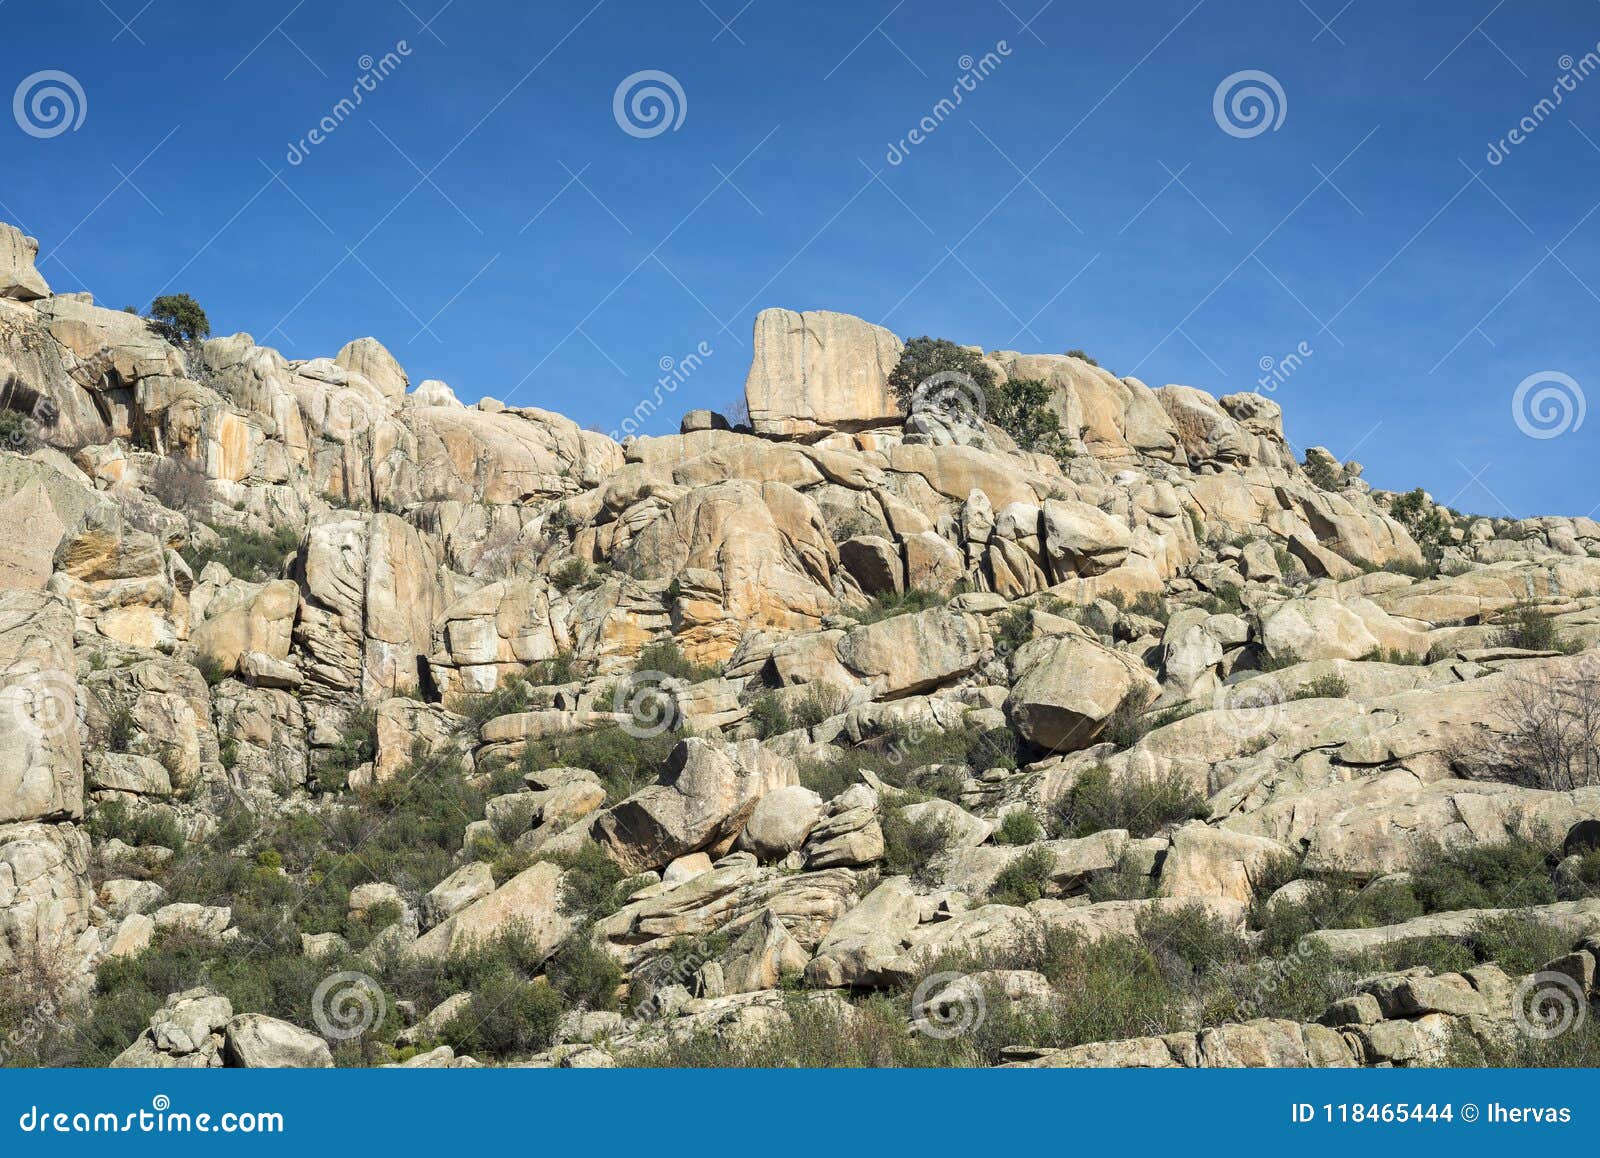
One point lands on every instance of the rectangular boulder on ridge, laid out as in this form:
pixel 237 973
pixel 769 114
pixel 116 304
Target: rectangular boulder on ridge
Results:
pixel 816 372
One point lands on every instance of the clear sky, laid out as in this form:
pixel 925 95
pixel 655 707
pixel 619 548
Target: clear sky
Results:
pixel 484 212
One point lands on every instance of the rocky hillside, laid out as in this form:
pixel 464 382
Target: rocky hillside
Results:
pixel 342 721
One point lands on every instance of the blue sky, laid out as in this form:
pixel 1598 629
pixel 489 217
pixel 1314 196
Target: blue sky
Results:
pixel 484 213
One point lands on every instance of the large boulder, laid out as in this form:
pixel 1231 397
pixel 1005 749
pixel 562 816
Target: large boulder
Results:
pixel 815 372
pixel 369 358
pixel 704 798
pixel 41 764
pixel 1067 688
pixel 257 1042
pixel 908 654
pixel 781 822
pixel 19 280
pixel 529 903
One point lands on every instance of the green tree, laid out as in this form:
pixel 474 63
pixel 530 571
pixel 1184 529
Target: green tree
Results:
pixel 924 357
pixel 179 318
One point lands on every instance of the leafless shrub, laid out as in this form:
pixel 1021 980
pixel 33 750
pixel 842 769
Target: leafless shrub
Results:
pixel 180 485
pixel 1550 731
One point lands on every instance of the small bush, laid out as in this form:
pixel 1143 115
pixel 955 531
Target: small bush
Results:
pixel 358 744
pixel 585 975
pixel 1484 876
pixel 1327 687
pixel 1018 826
pixel 507 1017
pixel 1323 475
pixel 246 554
pixel 1143 806
pixel 1025 879
pixel 910 847
pixel 624 762
pixel 115 818
pixel 891 604
pixel 591 889
pixel 1519 943
pixel 1530 630
pixel 769 717
pixel 572 573
pixel 666 658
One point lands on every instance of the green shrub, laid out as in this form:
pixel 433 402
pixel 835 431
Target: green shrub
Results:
pixel 572 573
pixel 666 658
pixel 585 975
pixel 624 762
pixel 1519 943
pixel 562 668
pixel 1025 879
pixel 246 554
pixel 910 847
pixel 507 1017
pixel 358 744
pixel 115 818
pixel 1189 941
pixel 594 886
pixel 1019 826
pixel 1021 407
pixel 1131 722
pixel 1082 357
pixel 1142 805
pixel 1323 475
pixel 893 603
pixel 1327 687
pixel 17 431
pixel 121 729
pixel 477 708
pixel 769 717
pixel 1531 630
pixel 1483 876
pixel 210 668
